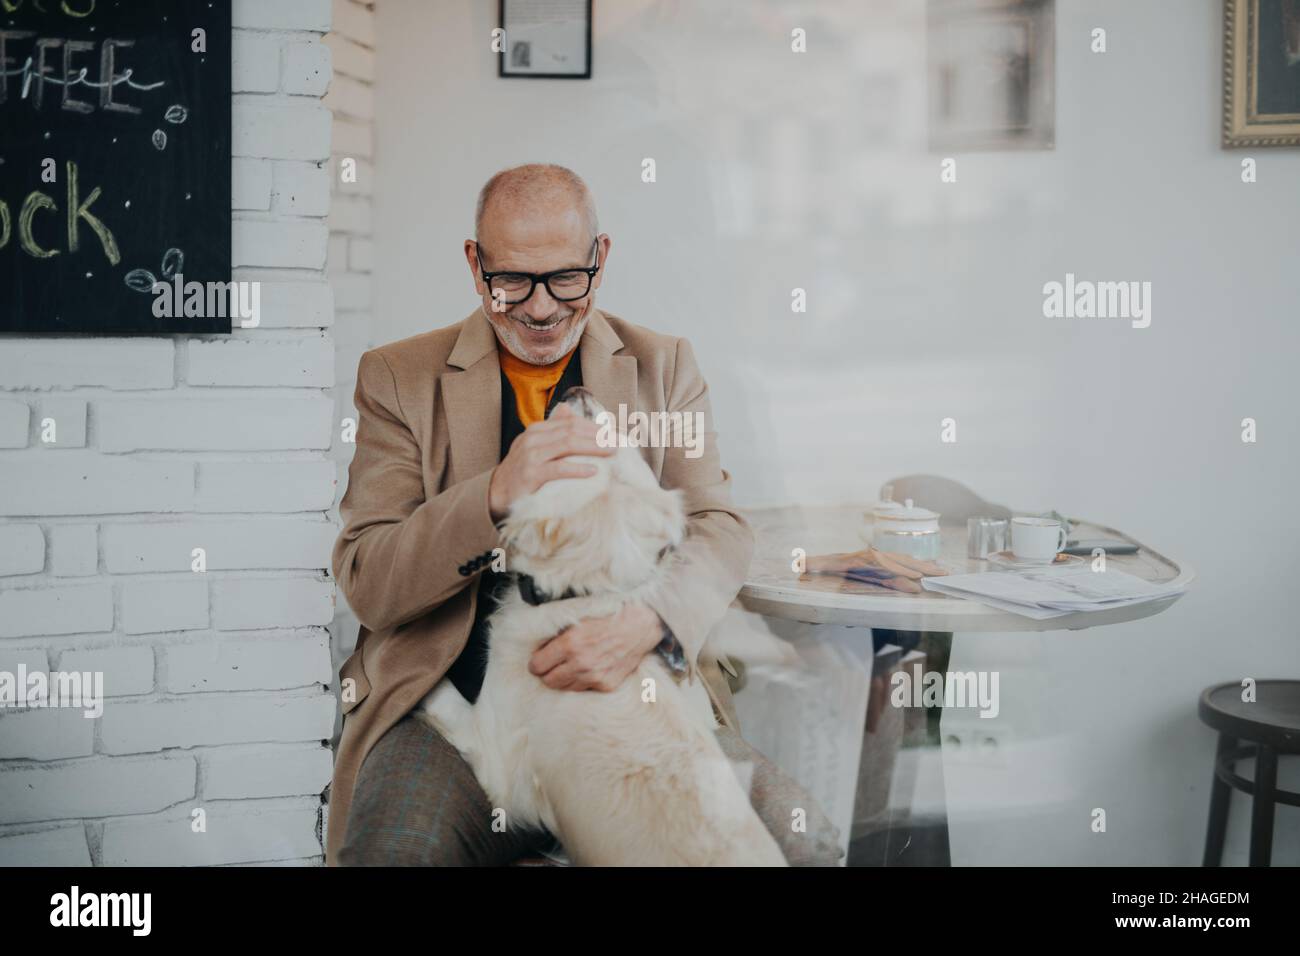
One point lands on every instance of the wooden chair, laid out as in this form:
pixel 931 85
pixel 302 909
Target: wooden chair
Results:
pixel 1263 728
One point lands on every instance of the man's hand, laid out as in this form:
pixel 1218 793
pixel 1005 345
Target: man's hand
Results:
pixel 886 569
pixel 540 455
pixel 598 653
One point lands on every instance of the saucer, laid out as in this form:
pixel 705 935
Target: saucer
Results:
pixel 1005 559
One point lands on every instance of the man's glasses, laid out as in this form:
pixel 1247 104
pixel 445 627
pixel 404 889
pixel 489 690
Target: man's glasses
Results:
pixel 564 285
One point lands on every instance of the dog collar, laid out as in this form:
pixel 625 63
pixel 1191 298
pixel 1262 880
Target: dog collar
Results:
pixel 669 648
pixel 528 590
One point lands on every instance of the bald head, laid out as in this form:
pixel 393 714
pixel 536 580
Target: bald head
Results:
pixel 537 219
pixel 534 190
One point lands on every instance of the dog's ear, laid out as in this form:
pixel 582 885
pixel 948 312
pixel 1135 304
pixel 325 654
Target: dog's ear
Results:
pixel 652 519
pixel 537 537
pixel 517 535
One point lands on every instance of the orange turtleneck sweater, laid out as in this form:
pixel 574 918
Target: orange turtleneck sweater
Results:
pixel 532 384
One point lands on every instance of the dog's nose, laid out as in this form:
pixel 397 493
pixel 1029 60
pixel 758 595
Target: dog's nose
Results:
pixel 581 401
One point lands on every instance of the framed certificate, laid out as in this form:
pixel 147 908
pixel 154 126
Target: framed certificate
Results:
pixel 546 38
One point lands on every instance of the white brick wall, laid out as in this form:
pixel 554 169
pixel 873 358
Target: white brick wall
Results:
pixel 351 97
pixel 217 685
pixel 239 831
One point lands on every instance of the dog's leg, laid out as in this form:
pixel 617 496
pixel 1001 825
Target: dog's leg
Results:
pixel 743 635
pixel 451 715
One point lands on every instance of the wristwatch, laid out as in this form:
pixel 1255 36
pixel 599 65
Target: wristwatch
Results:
pixel 670 650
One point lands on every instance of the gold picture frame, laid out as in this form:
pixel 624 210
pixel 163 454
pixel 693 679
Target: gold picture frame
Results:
pixel 1261 84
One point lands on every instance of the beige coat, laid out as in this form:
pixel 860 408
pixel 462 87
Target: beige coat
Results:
pixel 416 510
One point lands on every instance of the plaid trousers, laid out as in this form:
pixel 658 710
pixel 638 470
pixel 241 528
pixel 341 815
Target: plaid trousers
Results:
pixel 417 803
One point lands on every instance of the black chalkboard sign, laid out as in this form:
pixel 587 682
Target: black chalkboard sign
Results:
pixel 114 162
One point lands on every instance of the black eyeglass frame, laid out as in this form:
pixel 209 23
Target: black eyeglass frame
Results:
pixel 543 277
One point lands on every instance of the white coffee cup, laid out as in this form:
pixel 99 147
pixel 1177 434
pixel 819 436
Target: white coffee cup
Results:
pixel 1036 539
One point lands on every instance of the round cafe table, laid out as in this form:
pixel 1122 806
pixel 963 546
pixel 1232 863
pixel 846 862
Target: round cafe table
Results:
pixel 814 729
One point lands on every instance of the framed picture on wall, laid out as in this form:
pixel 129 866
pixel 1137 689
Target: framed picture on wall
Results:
pixel 1261 73
pixel 545 38
pixel 992 74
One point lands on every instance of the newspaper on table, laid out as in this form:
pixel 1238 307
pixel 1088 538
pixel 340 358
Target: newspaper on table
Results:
pixel 1044 593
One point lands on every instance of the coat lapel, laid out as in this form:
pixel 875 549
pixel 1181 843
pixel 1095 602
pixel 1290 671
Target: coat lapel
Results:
pixel 609 376
pixel 472 397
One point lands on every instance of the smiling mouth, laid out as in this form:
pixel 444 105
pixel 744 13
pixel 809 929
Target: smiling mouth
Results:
pixel 540 326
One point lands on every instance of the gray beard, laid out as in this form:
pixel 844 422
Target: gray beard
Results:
pixel 508 336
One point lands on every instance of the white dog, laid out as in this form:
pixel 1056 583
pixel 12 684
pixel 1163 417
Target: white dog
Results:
pixel 633 777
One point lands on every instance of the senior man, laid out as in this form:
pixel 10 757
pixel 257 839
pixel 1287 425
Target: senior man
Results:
pixel 453 429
